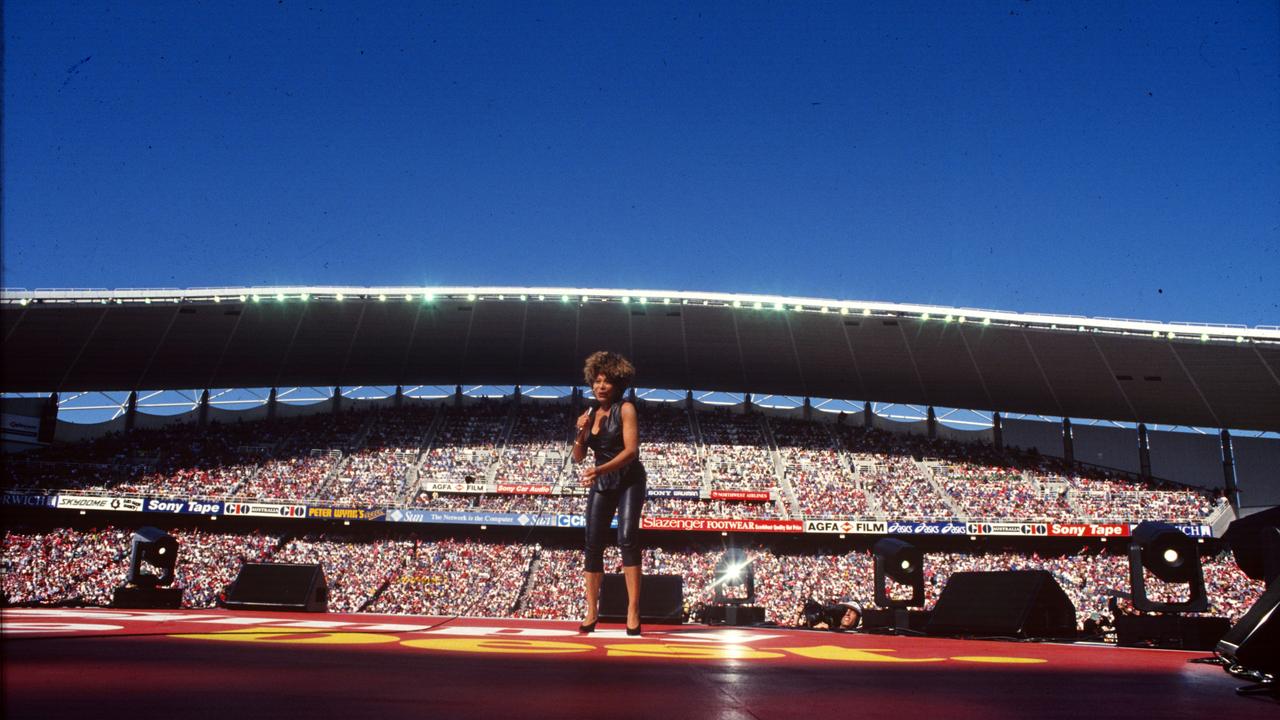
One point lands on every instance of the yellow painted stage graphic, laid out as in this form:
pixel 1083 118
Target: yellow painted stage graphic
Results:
pixel 486 642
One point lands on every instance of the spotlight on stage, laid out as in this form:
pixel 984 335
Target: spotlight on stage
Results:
pixel 904 564
pixel 735 592
pixel 1172 557
pixel 153 555
pixel 735 579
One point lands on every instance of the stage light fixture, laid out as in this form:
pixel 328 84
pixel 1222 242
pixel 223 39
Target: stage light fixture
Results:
pixel 1172 557
pixel 904 564
pixel 153 555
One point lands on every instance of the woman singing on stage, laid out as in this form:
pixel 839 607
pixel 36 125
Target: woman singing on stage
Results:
pixel 617 480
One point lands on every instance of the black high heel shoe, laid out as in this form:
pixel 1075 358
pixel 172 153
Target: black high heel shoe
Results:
pixel 634 631
pixel 586 629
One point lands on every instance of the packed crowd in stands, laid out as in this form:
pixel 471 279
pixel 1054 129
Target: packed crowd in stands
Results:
pixel 379 472
pixel 667 448
pixel 738 455
pixel 823 486
pixel 354 570
pixel 466 443
pixel 451 577
pixel 403 574
pixel 374 458
pixel 306 461
pixel 538 448
pixel 727 509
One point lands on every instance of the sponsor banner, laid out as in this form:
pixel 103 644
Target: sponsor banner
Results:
pixel 1006 528
pixel 523 489
pixel 1089 530
pixel 29 500
pixel 896 527
pixel 452 487
pixel 856 527
pixel 674 493
pixel 186 507
pixel 265 509
pixel 573 521
pixel 721 525
pixel 747 495
pixel 19 428
pixel 345 513
pixel 479 518
pixel 99 502
pixel 1196 531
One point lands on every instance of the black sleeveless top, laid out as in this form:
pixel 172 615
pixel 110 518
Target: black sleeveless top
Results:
pixel 606 445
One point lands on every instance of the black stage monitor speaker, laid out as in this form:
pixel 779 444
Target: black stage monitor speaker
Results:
pixel 1171 632
pixel 661 599
pixel 1254 642
pixel 1011 603
pixel 279 586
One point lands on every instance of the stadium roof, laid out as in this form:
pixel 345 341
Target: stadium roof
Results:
pixel 1109 369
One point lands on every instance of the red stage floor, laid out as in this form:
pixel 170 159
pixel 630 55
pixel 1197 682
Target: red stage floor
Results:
pixel 235 665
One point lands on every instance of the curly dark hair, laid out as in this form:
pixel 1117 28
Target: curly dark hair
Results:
pixel 613 366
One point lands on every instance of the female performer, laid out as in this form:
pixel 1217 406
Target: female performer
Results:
pixel 617 480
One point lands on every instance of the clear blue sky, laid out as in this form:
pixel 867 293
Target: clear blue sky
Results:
pixel 1115 159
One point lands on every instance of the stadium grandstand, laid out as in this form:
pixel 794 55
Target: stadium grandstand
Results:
pixel 415 443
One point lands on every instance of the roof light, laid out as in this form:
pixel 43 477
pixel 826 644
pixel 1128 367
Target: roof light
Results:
pixel 1171 336
pixel 502 297
pixel 666 301
pixel 1155 333
pixel 243 298
pixel 924 316
pixel 524 298
pixel 1204 337
pixel 217 298
pixel 1239 338
pixel 798 308
pixel 962 319
pixel 737 303
pixel 564 298
pixel 339 297
pixel 824 308
pixel 305 297
pixel 948 318
pixel 542 297
pixel 759 305
pixel 844 311
pixel 408 297
pixel 1080 328
pixel 382 297
pixel 25 301
pixel 778 306
pixel 280 297
pixel 866 312
pixel 471 297
pixel 626 299
pixel 644 301
pixel 256 298
pixel 586 299
pixel 148 300
pixel 986 321
pixel 428 297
